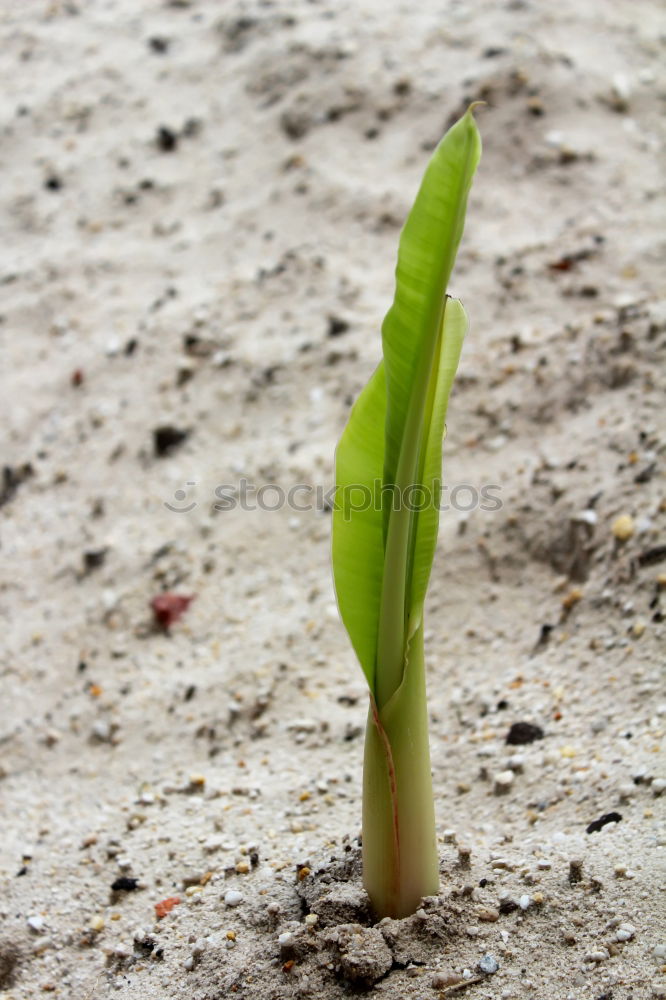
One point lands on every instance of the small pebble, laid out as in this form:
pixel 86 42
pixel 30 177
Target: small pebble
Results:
pixel 464 855
pixel 212 844
pixel 441 980
pixel 41 945
pixel 575 870
pixel 620 92
pixel 36 923
pixel 233 897
pixel 587 516
pixel 625 932
pixel 503 782
pixel 524 902
pixel 623 527
pixel 286 940
pixel 97 923
pixel 625 792
pixel 489 965
pixel 658 786
pixel 101 731
pixel 522 733
pixel 601 955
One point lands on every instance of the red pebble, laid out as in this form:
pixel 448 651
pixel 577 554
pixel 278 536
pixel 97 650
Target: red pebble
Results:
pixel 76 378
pixel 168 608
pixel 166 906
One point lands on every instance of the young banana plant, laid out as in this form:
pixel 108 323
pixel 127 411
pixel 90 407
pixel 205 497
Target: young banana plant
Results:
pixel 385 521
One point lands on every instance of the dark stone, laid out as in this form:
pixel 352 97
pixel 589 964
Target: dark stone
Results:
pixel 598 824
pixel 337 326
pixel 522 733
pixel 125 884
pixel 166 139
pixel 166 439
pixel 12 478
pixel 159 44
pixel 93 559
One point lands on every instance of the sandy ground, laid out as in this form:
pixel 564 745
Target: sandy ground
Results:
pixel 201 204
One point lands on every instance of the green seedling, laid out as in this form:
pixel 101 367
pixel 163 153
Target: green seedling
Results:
pixel 385 522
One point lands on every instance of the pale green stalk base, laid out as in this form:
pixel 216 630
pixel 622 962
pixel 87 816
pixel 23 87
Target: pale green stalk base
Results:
pixel 400 861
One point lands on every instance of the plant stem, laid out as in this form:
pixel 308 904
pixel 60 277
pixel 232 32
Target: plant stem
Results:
pixel 400 861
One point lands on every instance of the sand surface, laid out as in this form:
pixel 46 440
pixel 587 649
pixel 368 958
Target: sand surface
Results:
pixel 200 205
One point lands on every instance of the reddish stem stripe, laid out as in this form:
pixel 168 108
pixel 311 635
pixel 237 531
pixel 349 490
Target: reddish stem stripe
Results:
pixel 393 786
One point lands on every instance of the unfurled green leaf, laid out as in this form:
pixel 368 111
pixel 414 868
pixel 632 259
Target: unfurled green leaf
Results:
pixel 382 551
pixel 385 521
pixel 358 547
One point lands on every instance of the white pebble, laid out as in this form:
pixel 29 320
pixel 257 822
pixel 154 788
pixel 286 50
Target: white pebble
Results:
pixel 101 730
pixel 489 965
pixel 587 516
pixel 621 86
pixel 658 786
pixel 524 902
pixel 212 844
pixel 36 923
pixel 41 945
pixel 597 956
pixel 503 782
pixel 286 940
pixel 625 932
pixel 233 897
